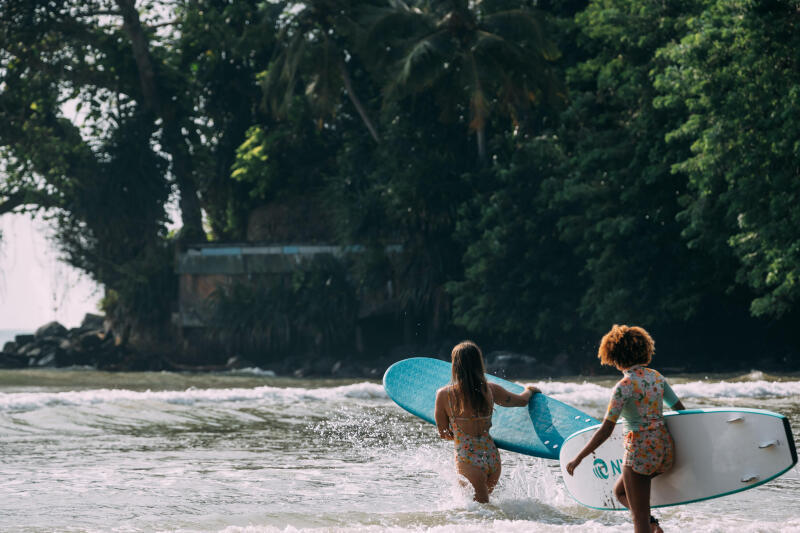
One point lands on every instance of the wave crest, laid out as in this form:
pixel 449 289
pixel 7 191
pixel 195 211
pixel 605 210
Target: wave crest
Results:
pixel 27 401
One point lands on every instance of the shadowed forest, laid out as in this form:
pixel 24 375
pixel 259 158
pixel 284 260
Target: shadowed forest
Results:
pixel 547 168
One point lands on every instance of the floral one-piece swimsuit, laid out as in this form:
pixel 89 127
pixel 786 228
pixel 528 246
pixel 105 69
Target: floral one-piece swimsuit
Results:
pixel 478 450
pixel 637 397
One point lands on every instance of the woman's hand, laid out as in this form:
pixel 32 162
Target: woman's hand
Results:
pixel 531 390
pixel 599 437
pixel 534 389
pixel 572 465
pixel 447 434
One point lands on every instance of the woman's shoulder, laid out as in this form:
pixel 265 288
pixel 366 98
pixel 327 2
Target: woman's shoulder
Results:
pixel 624 385
pixel 625 380
pixel 443 397
pixel 652 373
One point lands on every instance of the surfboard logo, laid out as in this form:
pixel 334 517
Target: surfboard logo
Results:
pixel 600 469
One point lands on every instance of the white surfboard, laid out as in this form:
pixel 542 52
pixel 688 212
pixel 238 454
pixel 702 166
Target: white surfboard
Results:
pixel 717 452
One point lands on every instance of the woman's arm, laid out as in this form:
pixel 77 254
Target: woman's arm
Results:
pixel 509 399
pixel 671 399
pixel 440 415
pixel 599 437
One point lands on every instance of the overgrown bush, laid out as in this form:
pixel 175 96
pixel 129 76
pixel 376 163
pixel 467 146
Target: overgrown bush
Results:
pixel 313 311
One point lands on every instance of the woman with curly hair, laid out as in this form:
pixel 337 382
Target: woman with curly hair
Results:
pixel 463 414
pixel 637 397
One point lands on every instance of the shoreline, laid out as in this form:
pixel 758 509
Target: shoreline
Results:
pixel 33 376
pixel 94 345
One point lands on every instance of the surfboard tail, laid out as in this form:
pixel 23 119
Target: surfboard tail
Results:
pixel 790 440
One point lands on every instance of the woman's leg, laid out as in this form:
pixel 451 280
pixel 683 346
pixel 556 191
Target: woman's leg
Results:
pixel 493 478
pixel 619 492
pixel 637 492
pixel 477 478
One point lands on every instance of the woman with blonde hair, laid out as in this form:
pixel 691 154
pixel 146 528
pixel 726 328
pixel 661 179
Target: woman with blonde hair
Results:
pixel 463 414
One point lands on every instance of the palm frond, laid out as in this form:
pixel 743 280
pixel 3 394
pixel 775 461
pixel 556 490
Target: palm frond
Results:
pixel 388 31
pixel 324 89
pixel 523 27
pixel 280 83
pixel 422 65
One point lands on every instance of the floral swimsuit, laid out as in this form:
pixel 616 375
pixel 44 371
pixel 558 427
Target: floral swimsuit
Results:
pixel 637 397
pixel 477 450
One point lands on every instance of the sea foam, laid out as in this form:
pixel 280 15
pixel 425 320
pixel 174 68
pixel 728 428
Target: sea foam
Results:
pixel 583 394
pixel 579 394
pixel 25 401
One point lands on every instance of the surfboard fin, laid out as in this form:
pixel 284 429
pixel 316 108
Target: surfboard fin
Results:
pixel 769 444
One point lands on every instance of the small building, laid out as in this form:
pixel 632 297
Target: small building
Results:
pixel 204 269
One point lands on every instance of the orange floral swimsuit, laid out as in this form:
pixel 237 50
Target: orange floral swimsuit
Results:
pixel 477 450
pixel 637 397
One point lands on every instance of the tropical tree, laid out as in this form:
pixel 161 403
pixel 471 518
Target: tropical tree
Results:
pixel 316 50
pixel 477 58
pixel 78 133
pixel 95 53
pixel 221 49
pixel 156 96
pixel 619 198
pixel 738 72
pixel 107 112
pixel 521 282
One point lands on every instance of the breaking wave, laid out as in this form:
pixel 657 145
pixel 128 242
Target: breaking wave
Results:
pixel 568 392
pixel 25 401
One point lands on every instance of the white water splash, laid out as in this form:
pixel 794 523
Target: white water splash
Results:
pixel 24 401
pixel 578 394
pixel 591 394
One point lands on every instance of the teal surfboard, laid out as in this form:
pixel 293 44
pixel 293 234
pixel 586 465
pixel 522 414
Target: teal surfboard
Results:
pixel 538 429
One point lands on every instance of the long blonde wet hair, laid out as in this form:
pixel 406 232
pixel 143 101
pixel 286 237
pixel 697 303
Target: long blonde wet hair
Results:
pixel 469 379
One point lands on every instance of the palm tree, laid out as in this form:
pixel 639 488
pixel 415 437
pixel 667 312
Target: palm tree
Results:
pixel 469 53
pixel 317 53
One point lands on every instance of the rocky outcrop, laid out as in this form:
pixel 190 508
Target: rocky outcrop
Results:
pixel 96 345
pixel 92 344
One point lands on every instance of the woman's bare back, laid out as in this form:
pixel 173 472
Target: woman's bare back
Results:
pixel 470 422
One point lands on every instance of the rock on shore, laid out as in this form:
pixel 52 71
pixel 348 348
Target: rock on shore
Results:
pixel 93 345
pixel 53 345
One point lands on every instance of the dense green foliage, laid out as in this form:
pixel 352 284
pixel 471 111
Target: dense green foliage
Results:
pixel 313 311
pixel 549 168
pixel 737 72
pixel 109 119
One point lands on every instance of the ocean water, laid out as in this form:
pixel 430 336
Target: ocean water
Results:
pixel 82 450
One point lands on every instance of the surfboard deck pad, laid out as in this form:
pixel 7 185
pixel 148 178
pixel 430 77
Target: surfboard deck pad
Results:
pixel 538 429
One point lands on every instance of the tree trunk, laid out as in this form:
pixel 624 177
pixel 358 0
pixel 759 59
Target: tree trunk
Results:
pixel 173 139
pixel 35 199
pixel 348 85
pixel 479 111
pixel 480 135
